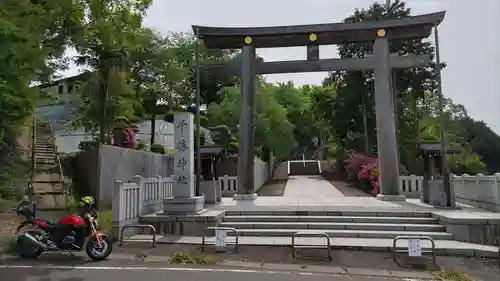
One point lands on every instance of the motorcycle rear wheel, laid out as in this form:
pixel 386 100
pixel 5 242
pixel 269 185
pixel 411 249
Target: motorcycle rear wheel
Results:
pixel 26 248
pixel 96 252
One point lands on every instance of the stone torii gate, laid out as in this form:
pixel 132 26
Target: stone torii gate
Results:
pixel 312 36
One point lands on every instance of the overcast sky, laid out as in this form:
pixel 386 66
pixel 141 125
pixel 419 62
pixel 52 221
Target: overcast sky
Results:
pixel 471 78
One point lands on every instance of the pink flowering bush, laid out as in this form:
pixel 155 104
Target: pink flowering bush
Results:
pixel 376 187
pixel 355 163
pixel 368 172
pixel 364 169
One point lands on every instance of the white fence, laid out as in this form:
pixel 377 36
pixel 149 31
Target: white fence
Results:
pixel 411 186
pixel 228 185
pixel 478 190
pixel 139 196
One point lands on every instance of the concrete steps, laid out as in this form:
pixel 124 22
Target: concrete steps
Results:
pixel 47 177
pixel 307 167
pixel 349 230
pixel 336 226
pixel 48 188
pixel 342 233
pixel 51 201
pixel 332 219
pixel 353 225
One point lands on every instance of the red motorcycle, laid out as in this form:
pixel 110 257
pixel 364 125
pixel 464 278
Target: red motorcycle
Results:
pixel 70 233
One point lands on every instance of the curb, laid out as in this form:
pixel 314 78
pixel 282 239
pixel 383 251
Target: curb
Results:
pixel 293 268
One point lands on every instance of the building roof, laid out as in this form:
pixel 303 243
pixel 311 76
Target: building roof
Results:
pixel 435 148
pixel 79 77
pixel 328 34
pixel 211 150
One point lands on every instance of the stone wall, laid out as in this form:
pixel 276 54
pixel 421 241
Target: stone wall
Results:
pixel 477 227
pixel 101 167
pixel 281 171
pixel 229 167
pixel 116 163
pixel 260 173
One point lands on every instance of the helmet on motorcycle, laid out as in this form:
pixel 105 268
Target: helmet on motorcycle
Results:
pixel 86 202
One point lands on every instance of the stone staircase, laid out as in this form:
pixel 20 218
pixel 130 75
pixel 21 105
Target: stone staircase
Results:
pixel 48 181
pixel 341 225
pixel 304 168
pixel 367 230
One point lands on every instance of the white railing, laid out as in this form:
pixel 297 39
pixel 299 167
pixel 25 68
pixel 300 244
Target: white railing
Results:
pixel 139 196
pixel 411 186
pixel 154 189
pixel 478 190
pixel 125 201
pixel 228 185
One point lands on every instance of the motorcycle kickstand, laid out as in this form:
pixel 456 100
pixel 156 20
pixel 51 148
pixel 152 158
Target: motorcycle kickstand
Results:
pixel 71 253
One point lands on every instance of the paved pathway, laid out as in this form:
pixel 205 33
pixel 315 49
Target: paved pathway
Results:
pixel 310 186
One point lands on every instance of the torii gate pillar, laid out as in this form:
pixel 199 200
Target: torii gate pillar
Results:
pixel 247 125
pixel 388 162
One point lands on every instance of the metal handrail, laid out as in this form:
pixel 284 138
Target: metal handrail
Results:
pixel 31 188
pixel 62 178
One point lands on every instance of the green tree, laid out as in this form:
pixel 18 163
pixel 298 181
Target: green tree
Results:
pixel 111 31
pixel 157 75
pixel 356 88
pixel 32 40
pixel 322 100
pixel 479 138
pixel 297 102
pixel 211 82
pixel 273 130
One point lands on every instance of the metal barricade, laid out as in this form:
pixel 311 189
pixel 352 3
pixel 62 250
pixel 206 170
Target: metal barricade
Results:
pixel 311 234
pixel 213 228
pixel 395 249
pixel 153 230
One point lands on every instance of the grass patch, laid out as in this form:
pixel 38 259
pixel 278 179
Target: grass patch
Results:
pixel 452 275
pixel 5 204
pixel 105 219
pixel 193 258
pixel 141 256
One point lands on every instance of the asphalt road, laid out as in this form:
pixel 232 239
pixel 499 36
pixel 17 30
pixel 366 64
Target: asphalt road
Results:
pixel 18 272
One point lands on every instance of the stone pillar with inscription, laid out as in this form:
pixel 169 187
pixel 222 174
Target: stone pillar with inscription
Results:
pixel 184 200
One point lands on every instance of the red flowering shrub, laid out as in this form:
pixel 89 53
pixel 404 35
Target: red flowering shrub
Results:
pixel 364 168
pixel 369 172
pixel 355 162
pixel 376 187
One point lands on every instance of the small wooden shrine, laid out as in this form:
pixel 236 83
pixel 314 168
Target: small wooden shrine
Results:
pixel 210 155
pixel 436 179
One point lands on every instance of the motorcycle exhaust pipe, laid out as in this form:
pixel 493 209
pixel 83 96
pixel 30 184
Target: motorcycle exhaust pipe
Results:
pixel 34 240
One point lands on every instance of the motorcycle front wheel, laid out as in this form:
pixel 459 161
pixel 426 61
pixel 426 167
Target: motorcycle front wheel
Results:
pixel 99 251
pixel 26 248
